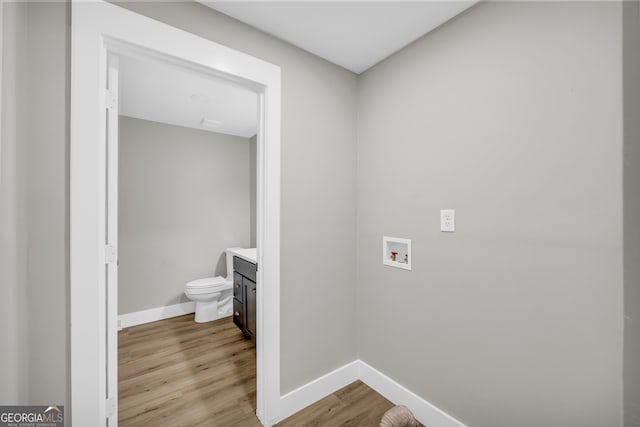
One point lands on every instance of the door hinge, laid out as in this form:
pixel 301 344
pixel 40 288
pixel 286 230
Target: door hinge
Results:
pixel 110 255
pixel 110 99
pixel 112 407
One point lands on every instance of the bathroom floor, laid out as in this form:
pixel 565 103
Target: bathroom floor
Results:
pixel 176 372
pixel 182 373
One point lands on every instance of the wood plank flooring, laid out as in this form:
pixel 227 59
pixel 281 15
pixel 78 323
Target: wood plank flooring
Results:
pixel 176 372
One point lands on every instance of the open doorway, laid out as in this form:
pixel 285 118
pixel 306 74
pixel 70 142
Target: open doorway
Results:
pixel 102 32
pixel 186 241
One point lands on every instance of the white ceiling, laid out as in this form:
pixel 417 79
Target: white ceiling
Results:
pixel 353 34
pixel 159 92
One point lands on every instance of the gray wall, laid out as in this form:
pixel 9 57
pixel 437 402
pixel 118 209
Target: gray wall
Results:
pixel 511 114
pixel 253 156
pixel 34 185
pixel 184 199
pixel 13 326
pixel 631 373
pixel 318 191
pixel 47 201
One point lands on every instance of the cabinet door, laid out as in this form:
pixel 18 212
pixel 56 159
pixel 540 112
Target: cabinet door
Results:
pixel 250 304
pixel 237 287
pixel 238 314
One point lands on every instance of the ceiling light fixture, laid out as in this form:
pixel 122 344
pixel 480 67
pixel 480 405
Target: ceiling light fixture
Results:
pixel 210 124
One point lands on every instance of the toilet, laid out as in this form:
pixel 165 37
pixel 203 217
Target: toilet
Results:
pixel 213 297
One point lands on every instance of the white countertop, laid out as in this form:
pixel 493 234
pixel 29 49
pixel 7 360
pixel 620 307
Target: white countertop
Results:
pixel 249 254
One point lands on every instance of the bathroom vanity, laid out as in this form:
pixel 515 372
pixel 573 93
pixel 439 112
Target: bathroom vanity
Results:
pixel 244 296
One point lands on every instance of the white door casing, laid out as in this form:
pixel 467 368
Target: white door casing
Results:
pixel 111 238
pixel 100 29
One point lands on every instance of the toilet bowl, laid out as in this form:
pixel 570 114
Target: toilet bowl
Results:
pixel 213 297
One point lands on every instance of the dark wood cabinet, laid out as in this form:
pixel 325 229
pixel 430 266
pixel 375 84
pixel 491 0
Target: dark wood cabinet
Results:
pixel 244 297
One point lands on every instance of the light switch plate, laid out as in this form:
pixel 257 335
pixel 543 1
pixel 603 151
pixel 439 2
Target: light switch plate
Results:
pixel 448 220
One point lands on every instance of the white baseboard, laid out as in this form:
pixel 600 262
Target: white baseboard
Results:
pixel 424 411
pixel 319 388
pixel 154 314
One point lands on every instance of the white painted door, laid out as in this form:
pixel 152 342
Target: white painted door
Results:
pixel 111 240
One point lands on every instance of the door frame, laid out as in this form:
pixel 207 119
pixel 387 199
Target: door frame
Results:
pixel 98 29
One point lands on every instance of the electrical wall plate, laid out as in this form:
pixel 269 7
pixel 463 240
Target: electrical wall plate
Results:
pixel 448 220
pixel 396 252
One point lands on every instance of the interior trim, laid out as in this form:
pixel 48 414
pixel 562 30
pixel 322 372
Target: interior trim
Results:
pixel 424 411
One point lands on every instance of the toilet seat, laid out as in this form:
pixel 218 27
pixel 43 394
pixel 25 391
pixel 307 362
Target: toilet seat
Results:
pixel 207 285
pixel 213 297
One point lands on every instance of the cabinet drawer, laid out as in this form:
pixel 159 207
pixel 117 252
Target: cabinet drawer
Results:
pixel 237 287
pixel 246 268
pixel 238 314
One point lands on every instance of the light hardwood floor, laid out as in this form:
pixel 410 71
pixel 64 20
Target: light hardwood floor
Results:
pixel 176 372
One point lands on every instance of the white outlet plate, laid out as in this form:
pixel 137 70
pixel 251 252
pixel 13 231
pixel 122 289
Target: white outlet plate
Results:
pixel 448 220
